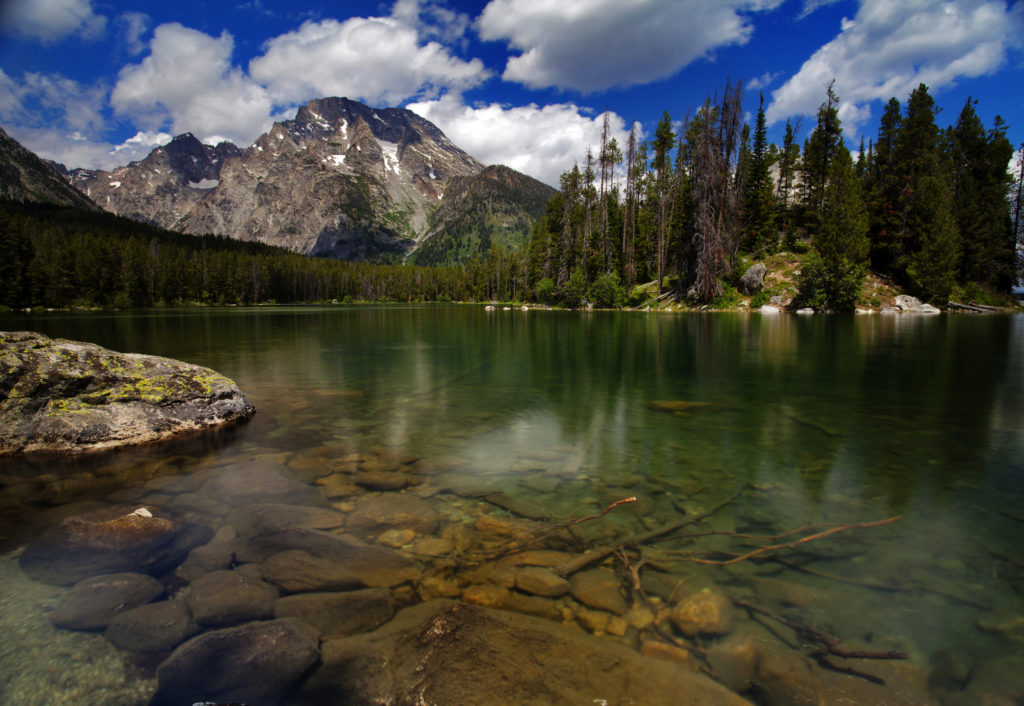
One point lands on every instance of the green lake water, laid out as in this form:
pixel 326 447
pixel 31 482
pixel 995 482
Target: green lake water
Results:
pixel 801 421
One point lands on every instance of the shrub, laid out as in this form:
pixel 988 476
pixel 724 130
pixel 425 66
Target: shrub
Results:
pixel 606 292
pixel 545 290
pixel 574 290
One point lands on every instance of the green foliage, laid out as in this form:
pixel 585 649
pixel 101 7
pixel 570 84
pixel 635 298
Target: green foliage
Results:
pixel 574 291
pixel 545 291
pixel 825 287
pixel 606 292
pixel 932 269
pixel 729 297
pixel 760 298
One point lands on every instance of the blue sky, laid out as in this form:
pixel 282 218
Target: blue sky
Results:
pixel 97 83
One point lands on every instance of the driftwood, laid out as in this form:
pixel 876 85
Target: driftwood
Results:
pixel 966 307
pixel 831 644
pixel 593 555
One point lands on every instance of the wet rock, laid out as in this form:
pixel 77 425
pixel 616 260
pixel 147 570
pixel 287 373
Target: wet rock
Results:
pixel 423 646
pixel 381 480
pixel 229 598
pixel 92 603
pixel 598 589
pixel 487 595
pixel 255 664
pixel 335 614
pixel 753 279
pixel 296 571
pixel 273 517
pixel 524 507
pixel 706 612
pixel 398 511
pixel 68 397
pixel 206 559
pixel 337 485
pixel 154 627
pixel 111 540
pixel 396 538
pixel 433 546
pixel 432 587
pixel 671 653
pixel 502 528
pixel 260 482
pixel 541 582
pixel 594 621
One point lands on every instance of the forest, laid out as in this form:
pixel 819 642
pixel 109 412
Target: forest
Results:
pixel 932 210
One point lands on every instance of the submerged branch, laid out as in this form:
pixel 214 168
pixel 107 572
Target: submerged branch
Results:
pixel 831 644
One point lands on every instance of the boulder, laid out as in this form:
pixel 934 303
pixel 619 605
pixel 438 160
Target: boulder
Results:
pixel 60 396
pixel 229 598
pixel 499 658
pixel 260 482
pixel 393 511
pixel 153 627
pixel 258 519
pixel 111 540
pixel 381 480
pixel 92 603
pixel 296 571
pixel 706 612
pixel 254 664
pixel 336 614
pixel 598 589
pixel 752 280
pixel 912 305
pixel 541 582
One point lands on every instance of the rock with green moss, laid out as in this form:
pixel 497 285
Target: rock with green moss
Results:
pixel 63 396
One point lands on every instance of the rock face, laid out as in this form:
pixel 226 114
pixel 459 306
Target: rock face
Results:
pixel 64 396
pixel 912 305
pixel 252 664
pixel 25 177
pixel 111 540
pixel 340 180
pixel 753 279
pixel 499 658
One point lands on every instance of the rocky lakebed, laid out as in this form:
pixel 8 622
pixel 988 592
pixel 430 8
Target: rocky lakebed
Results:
pixel 343 573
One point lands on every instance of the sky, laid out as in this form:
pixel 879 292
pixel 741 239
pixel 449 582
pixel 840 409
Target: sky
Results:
pixel 525 83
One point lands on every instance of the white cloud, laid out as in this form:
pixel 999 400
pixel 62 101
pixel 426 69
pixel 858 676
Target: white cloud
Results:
pixel 75 150
pixel 591 45
pixel 50 20
pixel 540 141
pixel 52 100
pixel 760 82
pixel 189 84
pixel 812 5
pixel 891 47
pixel 379 60
pixel 132 25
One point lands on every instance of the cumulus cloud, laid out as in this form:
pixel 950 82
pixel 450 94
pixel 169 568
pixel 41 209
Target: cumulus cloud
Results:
pixel 132 25
pixel 50 20
pixel 189 84
pixel 52 100
pixel 591 45
pixel 891 47
pixel 540 141
pixel 75 150
pixel 379 60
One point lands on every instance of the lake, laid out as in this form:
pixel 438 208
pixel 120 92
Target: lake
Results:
pixel 761 425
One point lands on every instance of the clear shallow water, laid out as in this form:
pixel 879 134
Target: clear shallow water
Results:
pixel 812 420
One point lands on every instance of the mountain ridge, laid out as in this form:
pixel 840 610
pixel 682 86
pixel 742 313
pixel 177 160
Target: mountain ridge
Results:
pixel 340 180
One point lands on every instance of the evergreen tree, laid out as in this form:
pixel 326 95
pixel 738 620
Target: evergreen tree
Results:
pixel 758 202
pixel 932 268
pixel 819 151
pixel 664 141
pixel 885 190
pixel 832 279
pixel 789 159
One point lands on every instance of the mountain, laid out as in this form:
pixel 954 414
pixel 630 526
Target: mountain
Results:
pixel 341 180
pixel 25 177
pixel 498 206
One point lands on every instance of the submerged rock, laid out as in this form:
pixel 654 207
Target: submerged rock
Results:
pixel 153 627
pixel 252 664
pixel 111 540
pixel 335 614
pixel 229 598
pixel 63 396
pixel 393 511
pixel 499 658
pixel 706 612
pixel 94 602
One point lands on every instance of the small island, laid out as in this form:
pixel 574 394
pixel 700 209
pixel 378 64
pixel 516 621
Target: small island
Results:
pixel 61 396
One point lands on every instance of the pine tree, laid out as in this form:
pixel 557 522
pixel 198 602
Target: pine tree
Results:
pixel 884 191
pixel 758 202
pixel 664 141
pixel 819 151
pixel 932 268
pixel 789 158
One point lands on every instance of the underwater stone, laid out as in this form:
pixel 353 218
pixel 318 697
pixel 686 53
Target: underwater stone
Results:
pixel 153 627
pixel 61 396
pixel 93 603
pixel 706 612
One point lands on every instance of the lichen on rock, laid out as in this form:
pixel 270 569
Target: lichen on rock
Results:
pixel 66 396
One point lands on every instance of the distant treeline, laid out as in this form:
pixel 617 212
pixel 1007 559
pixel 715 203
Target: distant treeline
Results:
pixel 61 257
pixel 930 208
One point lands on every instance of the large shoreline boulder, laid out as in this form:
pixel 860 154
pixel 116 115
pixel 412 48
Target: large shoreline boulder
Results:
pixel 62 396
